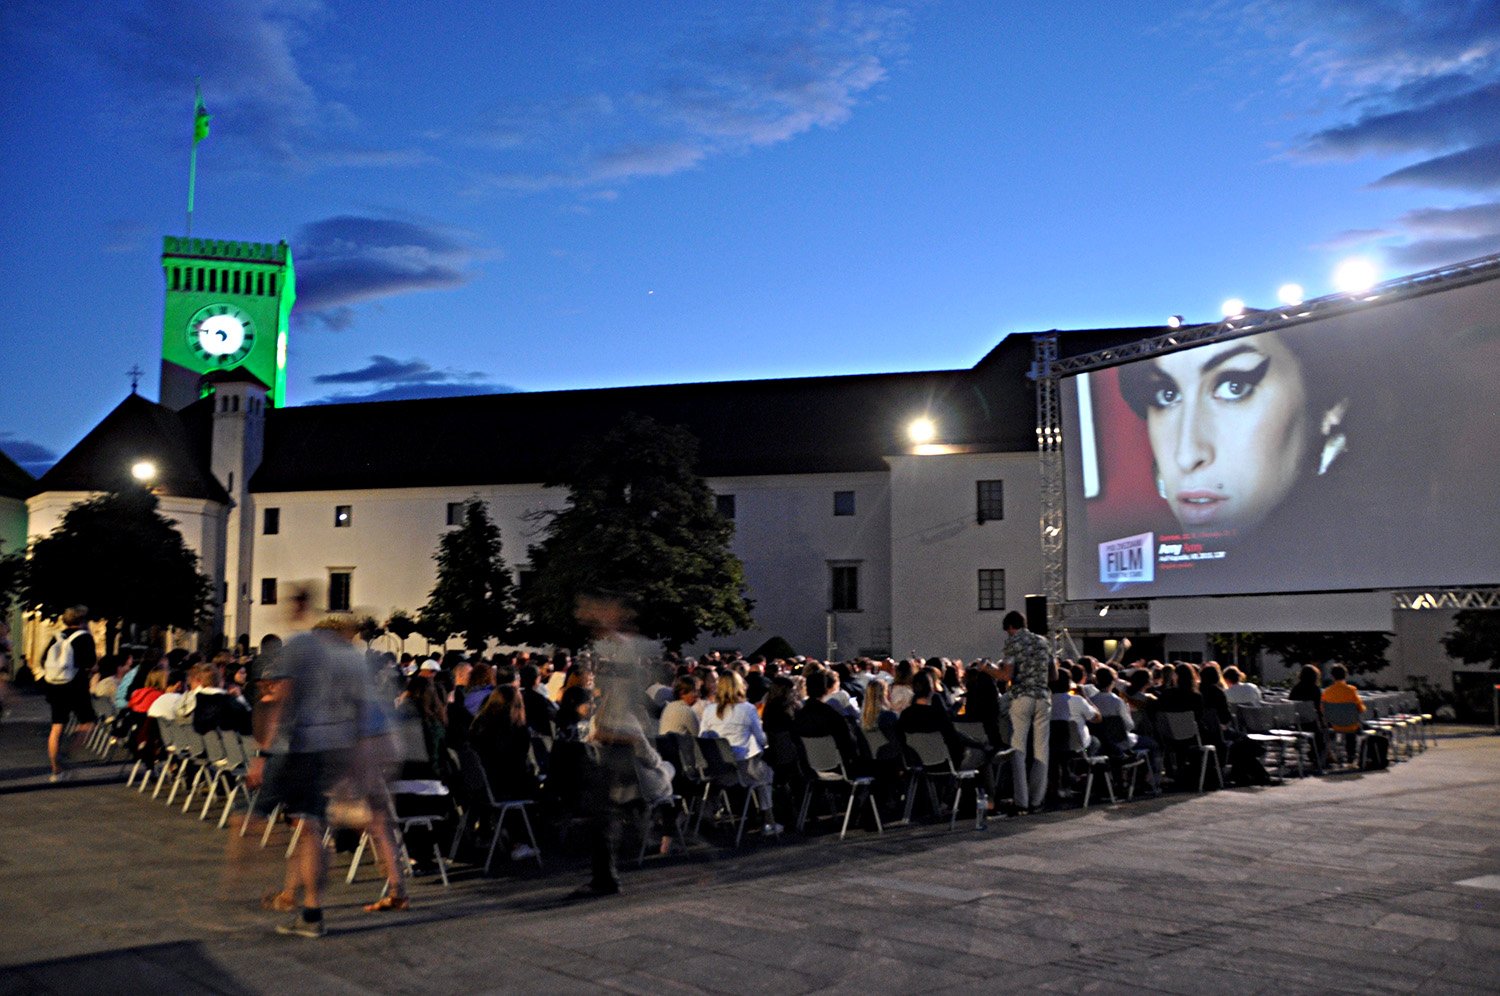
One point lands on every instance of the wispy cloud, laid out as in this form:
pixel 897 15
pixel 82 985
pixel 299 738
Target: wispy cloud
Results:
pixel 34 458
pixel 252 56
pixel 353 259
pixel 728 87
pixel 391 379
pixel 1413 78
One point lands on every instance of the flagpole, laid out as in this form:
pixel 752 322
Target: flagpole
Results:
pixel 201 119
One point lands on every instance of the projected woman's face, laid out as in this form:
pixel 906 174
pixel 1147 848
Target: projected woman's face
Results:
pixel 1229 429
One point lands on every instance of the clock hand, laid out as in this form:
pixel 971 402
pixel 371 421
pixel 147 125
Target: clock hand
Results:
pixel 223 336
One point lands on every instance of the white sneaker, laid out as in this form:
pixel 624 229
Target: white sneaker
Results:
pixel 522 852
pixel 772 829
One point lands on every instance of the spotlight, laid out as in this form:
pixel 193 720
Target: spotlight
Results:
pixel 1233 307
pixel 1290 294
pixel 1355 275
pixel 922 430
pixel 1174 321
pixel 143 471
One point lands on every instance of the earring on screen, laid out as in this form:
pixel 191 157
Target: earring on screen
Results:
pixel 1161 487
pixel 1335 441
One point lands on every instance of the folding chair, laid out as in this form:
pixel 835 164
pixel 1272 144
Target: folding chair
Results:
pixel 1337 714
pixel 1182 731
pixel 480 796
pixel 401 823
pixel 1257 724
pixel 934 762
pixel 827 767
pixel 722 772
pixel 1088 765
pixel 1135 760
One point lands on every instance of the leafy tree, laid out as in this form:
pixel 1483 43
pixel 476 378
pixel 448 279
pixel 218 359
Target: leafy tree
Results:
pixel 12 578
pixel 122 558
pixel 1475 637
pixel 369 629
pixel 433 630
pixel 401 625
pixel 641 524
pixel 1361 652
pixel 474 595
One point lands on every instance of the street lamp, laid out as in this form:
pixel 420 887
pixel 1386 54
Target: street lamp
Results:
pixel 922 430
pixel 143 471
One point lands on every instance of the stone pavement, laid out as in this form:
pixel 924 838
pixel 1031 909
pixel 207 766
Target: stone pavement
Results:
pixel 1340 884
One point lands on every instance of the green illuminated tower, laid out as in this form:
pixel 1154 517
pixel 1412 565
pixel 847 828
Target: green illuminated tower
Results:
pixel 227 308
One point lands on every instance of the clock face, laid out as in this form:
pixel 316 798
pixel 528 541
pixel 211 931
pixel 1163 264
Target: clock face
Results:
pixel 221 334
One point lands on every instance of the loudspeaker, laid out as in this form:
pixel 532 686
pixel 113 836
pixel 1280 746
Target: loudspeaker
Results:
pixel 1036 614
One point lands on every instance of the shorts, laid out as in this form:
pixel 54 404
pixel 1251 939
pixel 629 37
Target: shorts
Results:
pixel 72 698
pixel 300 783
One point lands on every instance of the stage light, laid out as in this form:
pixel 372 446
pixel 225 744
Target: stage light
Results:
pixel 1291 294
pixel 1174 321
pixel 1233 307
pixel 1355 275
pixel 922 430
pixel 1104 612
pixel 143 471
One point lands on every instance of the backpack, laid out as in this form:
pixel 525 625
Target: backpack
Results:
pixel 58 668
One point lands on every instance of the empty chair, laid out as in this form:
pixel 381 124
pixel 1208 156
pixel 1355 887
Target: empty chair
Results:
pixel 479 800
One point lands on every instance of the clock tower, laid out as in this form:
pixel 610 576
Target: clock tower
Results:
pixel 227 309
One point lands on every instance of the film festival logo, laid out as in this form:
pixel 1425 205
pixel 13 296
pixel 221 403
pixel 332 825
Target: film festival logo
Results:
pixel 1128 560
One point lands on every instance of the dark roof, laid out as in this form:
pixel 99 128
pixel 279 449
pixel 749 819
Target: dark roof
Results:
pixel 744 428
pixel 15 482
pixel 234 375
pixel 177 442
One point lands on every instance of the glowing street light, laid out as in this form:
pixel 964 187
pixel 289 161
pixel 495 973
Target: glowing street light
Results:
pixel 922 430
pixel 1355 275
pixel 1290 294
pixel 1174 321
pixel 143 471
pixel 1233 307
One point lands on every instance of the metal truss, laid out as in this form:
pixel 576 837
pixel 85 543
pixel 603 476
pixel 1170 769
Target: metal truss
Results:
pixel 1427 282
pixel 1448 598
pixel 1049 452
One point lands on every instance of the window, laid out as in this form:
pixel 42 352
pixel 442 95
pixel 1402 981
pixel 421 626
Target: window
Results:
pixel 843 587
pixel 268 591
pixel 456 512
pixel 270 522
pixel 725 505
pixel 991 590
pixel 990 501
pixel 343 516
pixel 338 590
pixel 843 503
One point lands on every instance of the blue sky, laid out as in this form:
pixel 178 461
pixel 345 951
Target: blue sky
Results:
pixel 544 195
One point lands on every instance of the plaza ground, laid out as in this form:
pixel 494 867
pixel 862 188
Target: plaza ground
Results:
pixel 1353 883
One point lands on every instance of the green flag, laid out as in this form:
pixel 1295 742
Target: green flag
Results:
pixel 201 118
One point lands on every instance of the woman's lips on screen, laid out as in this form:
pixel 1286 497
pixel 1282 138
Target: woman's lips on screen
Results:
pixel 1199 508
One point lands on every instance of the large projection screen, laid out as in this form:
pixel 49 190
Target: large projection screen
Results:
pixel 1357 451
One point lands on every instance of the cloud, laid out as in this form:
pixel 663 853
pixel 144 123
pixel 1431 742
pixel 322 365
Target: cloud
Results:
pixel 1476 168
pixel 350 259
pixel 385 369
pixel 1412 78
pixel 727 87
pixel 409 392
pixel 34 458
pixel 253 57
pixel 400 380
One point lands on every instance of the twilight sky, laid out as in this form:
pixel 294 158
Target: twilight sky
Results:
pixel 537 194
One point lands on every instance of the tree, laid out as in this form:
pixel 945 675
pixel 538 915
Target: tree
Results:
pixel 122 558
pixel 369 629
pixel 474 595
pixel 401 625
pixel 12 578
pixel 1475 637
pixel 1361 652
pixel 638 523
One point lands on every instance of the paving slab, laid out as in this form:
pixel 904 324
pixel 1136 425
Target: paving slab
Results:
pixel 1383 882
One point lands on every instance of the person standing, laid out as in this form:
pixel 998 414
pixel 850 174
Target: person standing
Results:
pixel 1029 667
pixel 66 665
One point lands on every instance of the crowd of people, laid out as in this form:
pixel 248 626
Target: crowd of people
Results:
pixel 541 726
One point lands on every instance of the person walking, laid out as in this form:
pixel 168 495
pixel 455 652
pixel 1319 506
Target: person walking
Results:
pixel 66 665
pixel 1029 666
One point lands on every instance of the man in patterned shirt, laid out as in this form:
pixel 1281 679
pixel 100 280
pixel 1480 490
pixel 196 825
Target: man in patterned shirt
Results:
pixel 1029 666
